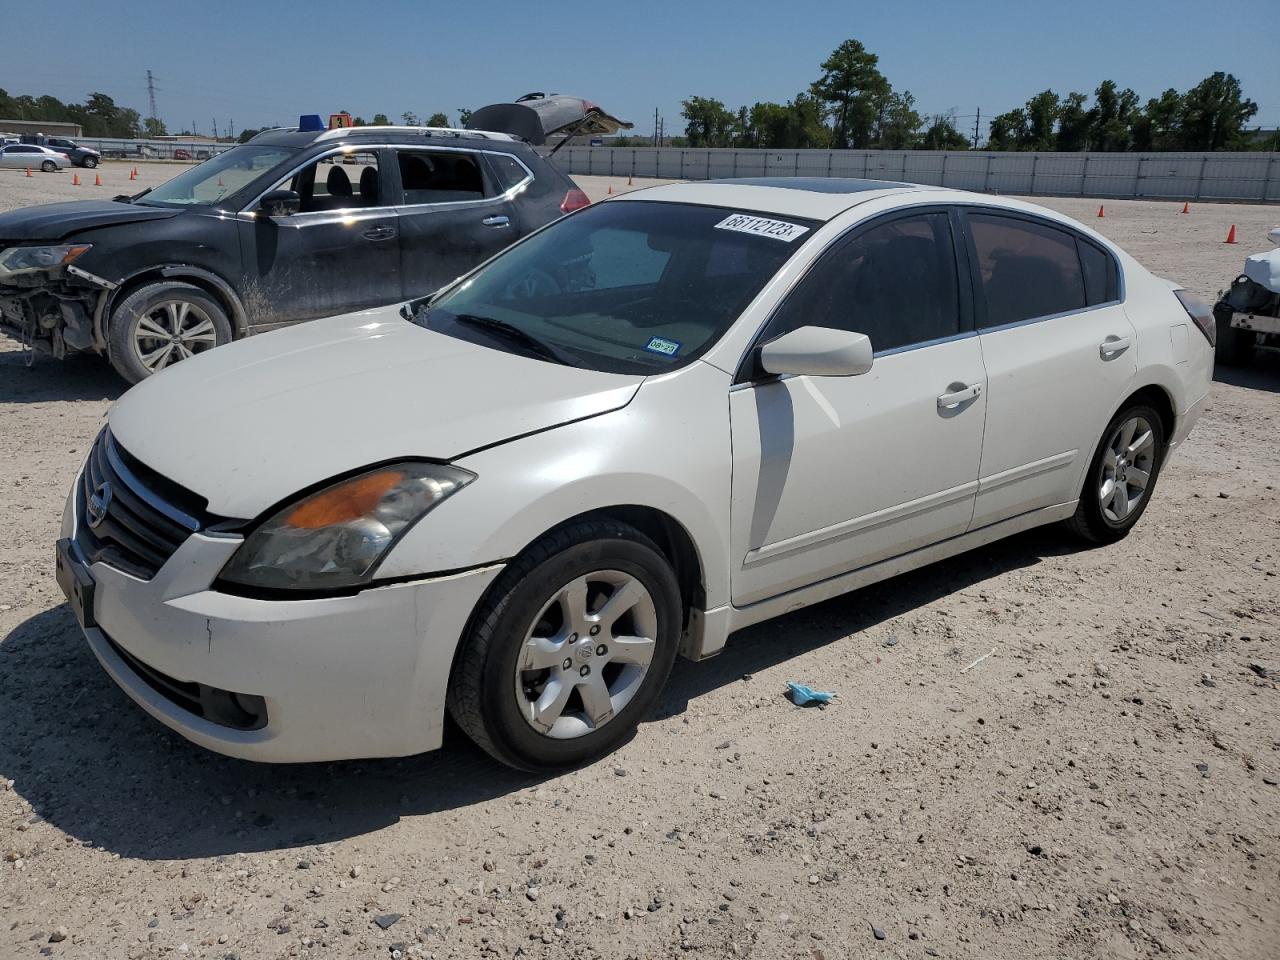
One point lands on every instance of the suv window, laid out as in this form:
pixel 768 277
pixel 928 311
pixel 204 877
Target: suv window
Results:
pixel 1027 269
pixel 894 281
pixel 444 176
pixel 339 182
pixel 508 171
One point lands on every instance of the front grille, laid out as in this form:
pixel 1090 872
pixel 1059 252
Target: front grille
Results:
pixel 128 516
pixel 239 711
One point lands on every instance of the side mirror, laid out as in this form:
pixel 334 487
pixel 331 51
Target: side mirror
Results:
pixel 818 352
pixel 281 203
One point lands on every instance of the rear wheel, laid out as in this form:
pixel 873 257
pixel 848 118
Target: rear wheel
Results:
pixel 569 649
pixel 90 162
pixel 48 166
pixel 1121 477
pixel 160 324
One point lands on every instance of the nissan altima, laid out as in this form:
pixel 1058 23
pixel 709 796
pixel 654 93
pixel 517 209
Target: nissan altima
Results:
pixel 649 424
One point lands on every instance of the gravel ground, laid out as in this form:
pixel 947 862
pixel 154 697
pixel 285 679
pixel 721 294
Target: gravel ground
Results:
pixel 1104 785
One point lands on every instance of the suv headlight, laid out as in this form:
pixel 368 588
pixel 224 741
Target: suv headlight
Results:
pixel 337 537
pixel 32 259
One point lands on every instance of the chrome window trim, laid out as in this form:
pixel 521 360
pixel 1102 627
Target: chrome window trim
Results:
pixel 1047 317
pixel 249 210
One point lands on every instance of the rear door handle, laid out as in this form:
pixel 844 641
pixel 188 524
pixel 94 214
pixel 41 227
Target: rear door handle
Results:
pixel 949 401
pixel 498 221
pixel 1113 346
pixel 380 233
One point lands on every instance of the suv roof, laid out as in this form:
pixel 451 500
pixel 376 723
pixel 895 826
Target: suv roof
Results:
pixel 292 137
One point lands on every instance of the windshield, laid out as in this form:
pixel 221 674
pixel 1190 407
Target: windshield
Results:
pixel 218 176
pixel 624 287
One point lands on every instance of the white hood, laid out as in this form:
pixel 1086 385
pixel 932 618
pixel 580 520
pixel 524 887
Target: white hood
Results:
pixel 253 422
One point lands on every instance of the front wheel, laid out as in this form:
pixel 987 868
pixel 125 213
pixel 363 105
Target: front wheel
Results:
pixel 48 166
pixel 1121 477
pixel 160 324
pixel 569 649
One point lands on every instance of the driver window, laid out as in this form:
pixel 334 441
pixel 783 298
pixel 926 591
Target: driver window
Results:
pixel 339 182
pixel 895 282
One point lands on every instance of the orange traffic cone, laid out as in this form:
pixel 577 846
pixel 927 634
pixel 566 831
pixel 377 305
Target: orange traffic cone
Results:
pixel 75 179
pixel 629 183
pixel 28 171
pixel 97 180
pixel 1100 212
pixel 1231 234
pixel 1186 207
pixel 133 174
pixel 611 189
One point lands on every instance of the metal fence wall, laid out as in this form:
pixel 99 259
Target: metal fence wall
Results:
pixel 1172 176
pixel 153 149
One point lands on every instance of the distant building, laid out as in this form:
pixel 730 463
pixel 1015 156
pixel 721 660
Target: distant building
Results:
pixel 54 128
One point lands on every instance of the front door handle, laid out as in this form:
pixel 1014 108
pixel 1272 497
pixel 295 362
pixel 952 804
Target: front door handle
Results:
pixel 380 233
pixel 1112 347
pixel 498 221
pixel 950 401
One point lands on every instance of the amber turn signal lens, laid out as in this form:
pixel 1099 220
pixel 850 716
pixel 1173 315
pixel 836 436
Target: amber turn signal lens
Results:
pixel 348 501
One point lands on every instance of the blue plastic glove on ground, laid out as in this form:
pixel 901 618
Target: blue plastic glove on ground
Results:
pixel 802 695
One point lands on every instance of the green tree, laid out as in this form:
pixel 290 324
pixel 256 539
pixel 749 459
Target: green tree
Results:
pixel 381 120
pixel 1073 124
pixel 247 135
pixel 410 119
pixel 1112 117
pixel 943 135
pixel 899 123
pixel 707 122
pixel 463 116
pixel 437 119
pixel 853 88
pixel 1008 130
pixel 1214 113
pixel 1042 116
pixel 1157 128
pixel 153 127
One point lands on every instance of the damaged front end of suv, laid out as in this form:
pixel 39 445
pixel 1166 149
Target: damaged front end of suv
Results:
pixel 48 302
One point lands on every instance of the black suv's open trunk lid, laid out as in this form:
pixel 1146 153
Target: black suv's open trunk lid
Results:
pixel 537 116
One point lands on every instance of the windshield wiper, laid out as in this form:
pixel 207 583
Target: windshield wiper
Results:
pixel 514 334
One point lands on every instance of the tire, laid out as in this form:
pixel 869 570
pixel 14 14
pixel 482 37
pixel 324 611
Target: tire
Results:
pixel 494 693
pixel 1233 346
pixel 89 163
pixel 203 324
pixel 48 166
pixel 1098 518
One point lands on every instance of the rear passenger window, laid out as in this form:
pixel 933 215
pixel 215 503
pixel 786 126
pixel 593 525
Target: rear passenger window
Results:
pixel 446 176
pixel 508 171
pixel 1027 269
pixel 895 282
pixel 1099 285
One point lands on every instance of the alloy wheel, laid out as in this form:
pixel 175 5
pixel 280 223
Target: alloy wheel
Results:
pixel 586 654
pixel 1127 462
pixel 172 330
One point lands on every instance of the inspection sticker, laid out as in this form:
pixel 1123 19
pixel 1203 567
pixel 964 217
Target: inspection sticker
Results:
pixel 668 348
pixel 778 229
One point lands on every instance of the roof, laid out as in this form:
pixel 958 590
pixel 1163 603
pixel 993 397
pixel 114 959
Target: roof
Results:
pixel 810 197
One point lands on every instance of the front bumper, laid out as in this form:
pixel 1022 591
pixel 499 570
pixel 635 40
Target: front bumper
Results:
pixel 341 677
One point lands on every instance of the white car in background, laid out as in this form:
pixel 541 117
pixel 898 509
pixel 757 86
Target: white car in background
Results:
pixel 651 423
pixel 33 157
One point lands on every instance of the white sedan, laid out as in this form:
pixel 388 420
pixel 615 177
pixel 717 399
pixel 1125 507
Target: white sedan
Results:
pixel 654 422
pixel 33 157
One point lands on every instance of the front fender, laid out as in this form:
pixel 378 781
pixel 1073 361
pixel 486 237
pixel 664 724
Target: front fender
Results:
pixel 667 450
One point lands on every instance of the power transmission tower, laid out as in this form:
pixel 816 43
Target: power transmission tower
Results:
pixel 151 93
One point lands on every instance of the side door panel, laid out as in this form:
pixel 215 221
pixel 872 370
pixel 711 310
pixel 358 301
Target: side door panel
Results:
pixel 1053 383
pixel 835 473
pixel 444 235
pixel 320 263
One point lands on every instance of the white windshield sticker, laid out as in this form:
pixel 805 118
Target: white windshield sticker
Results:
pixel 778 229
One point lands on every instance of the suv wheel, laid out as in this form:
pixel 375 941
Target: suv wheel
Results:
pixel 1121 477
pixel 569 649
pixel 160 324
pixel 48 166
pixel 89 162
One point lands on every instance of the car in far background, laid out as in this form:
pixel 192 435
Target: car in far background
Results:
pixel 32 156
pixel 80 156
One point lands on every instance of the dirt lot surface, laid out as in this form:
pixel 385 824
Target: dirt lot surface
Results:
pixel 1104 785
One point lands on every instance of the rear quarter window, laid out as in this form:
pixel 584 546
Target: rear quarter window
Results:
pixel 1101 282
pixel 507 171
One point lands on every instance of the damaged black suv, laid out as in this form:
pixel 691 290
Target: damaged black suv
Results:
pixel 290 226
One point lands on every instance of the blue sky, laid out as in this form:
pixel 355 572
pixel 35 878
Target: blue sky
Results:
pixel 266 62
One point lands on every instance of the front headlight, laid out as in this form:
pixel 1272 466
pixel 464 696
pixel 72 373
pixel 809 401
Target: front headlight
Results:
pixel 337 537
pixel 32 259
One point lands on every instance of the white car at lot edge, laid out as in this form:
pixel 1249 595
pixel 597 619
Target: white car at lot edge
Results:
pixel 651 423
